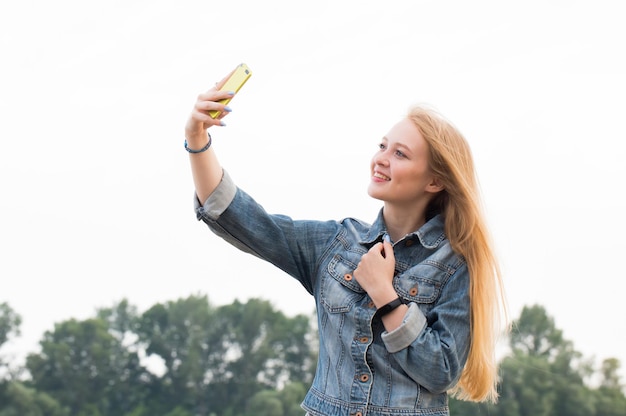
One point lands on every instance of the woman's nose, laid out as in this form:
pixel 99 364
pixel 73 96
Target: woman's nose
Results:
pixel 381 158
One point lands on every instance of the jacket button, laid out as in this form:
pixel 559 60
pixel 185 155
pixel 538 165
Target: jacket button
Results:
pixel 364 377
pixel 358 414
pixel 363 339
pixel 371 304
pixel 409 243
pixel 347 276
pixel 413 291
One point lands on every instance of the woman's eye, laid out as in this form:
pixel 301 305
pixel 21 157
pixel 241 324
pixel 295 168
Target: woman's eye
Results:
pixel 381 146
pixel 400 154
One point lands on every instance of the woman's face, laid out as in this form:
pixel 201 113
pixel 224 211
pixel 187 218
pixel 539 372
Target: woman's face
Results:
pixel 400 171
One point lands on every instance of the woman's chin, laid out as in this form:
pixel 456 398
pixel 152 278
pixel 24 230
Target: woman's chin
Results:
pixel 374 193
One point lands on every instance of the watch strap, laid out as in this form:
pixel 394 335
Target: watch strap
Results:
pixel 385 309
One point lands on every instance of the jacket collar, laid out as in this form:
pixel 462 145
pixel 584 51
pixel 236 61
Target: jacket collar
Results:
pixel 430 234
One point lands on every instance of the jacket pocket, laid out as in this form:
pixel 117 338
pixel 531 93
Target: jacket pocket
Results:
pixel 339 289
pixel 421 284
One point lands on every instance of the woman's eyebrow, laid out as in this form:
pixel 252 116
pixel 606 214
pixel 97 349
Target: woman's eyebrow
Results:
pixel 401 145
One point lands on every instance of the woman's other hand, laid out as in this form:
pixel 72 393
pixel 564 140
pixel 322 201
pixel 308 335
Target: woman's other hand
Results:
pixel 200 120
pixel 375 273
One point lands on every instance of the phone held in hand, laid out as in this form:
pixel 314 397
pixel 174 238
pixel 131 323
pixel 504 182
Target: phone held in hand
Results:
pixel 234 83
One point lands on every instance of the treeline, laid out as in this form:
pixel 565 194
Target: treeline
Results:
pixel 189 358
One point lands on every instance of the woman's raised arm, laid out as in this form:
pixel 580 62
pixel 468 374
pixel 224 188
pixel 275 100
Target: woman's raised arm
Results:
pixel 205 167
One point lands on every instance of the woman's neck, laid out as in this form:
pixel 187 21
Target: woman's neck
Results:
pixel 402 221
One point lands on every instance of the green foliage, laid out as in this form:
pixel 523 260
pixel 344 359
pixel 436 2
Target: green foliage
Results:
pixel 18 400
pixel 88 369
pixel 239 360
pixel 284 402
pixel 609 399
pixel 9 323
pixel 544 376
pixel 182 335
pixel 535 335
pixel 609 402
pixel 216 359
pixel 610 377
pixel 545 373
pixel 265 403
pixel 140 410
pixel 291 396
pixel 179 411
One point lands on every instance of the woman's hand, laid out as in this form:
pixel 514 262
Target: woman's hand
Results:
pixel 375 273
pixel 205 168
pixel 200 120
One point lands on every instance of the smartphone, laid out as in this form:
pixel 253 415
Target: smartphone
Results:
pixel 234 83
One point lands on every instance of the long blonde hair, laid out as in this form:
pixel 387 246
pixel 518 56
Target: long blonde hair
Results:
pixel 450 160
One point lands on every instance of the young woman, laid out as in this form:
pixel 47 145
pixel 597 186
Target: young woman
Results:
pixel 408 307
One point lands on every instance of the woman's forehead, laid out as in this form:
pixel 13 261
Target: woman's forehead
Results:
pixel 406 133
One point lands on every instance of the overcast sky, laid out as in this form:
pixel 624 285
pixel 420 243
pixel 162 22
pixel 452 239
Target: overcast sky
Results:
pixel 96 193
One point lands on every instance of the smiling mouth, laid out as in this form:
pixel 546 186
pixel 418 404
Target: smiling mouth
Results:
pixel 381 176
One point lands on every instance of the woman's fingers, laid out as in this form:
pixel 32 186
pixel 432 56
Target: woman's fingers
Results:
pixel 388 250
pixel 221 83
pixel 378 261
pixel 213 101
pixel 208 111
pixel 207 105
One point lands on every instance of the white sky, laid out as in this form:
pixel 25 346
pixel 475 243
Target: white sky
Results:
pixel 96 194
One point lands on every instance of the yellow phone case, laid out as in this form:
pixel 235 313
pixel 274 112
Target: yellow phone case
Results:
pixel 234 83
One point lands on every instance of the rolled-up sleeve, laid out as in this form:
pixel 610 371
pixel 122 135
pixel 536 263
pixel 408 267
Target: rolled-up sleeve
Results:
pixel 413 323
pixel 218 201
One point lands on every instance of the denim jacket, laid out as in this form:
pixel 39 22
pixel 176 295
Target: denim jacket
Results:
pixel 362 369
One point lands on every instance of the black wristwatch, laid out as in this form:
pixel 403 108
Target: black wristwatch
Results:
pixel 385 309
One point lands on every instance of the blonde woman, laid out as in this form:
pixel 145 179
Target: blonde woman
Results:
pixel 408 305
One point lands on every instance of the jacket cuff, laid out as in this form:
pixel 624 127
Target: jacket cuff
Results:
pixel 218 201
pixel 413 323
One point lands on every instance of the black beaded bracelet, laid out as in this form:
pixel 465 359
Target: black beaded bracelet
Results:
pixel 385 309
pixel 201 150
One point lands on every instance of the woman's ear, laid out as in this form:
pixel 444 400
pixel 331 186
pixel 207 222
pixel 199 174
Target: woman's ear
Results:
pixel 435 185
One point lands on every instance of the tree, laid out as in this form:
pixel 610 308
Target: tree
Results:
pixel 10 323
pixel 86 368
pixel 291 397
pixel 265 403
pixel 284 402
pixel 610 374
pixel 248 358
pixel 182 334
pixel 544 375
pixel 264 349
pixel 217 359
pixel 609 399
pixel 535 334
pixel 133 381
pixel 16 399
